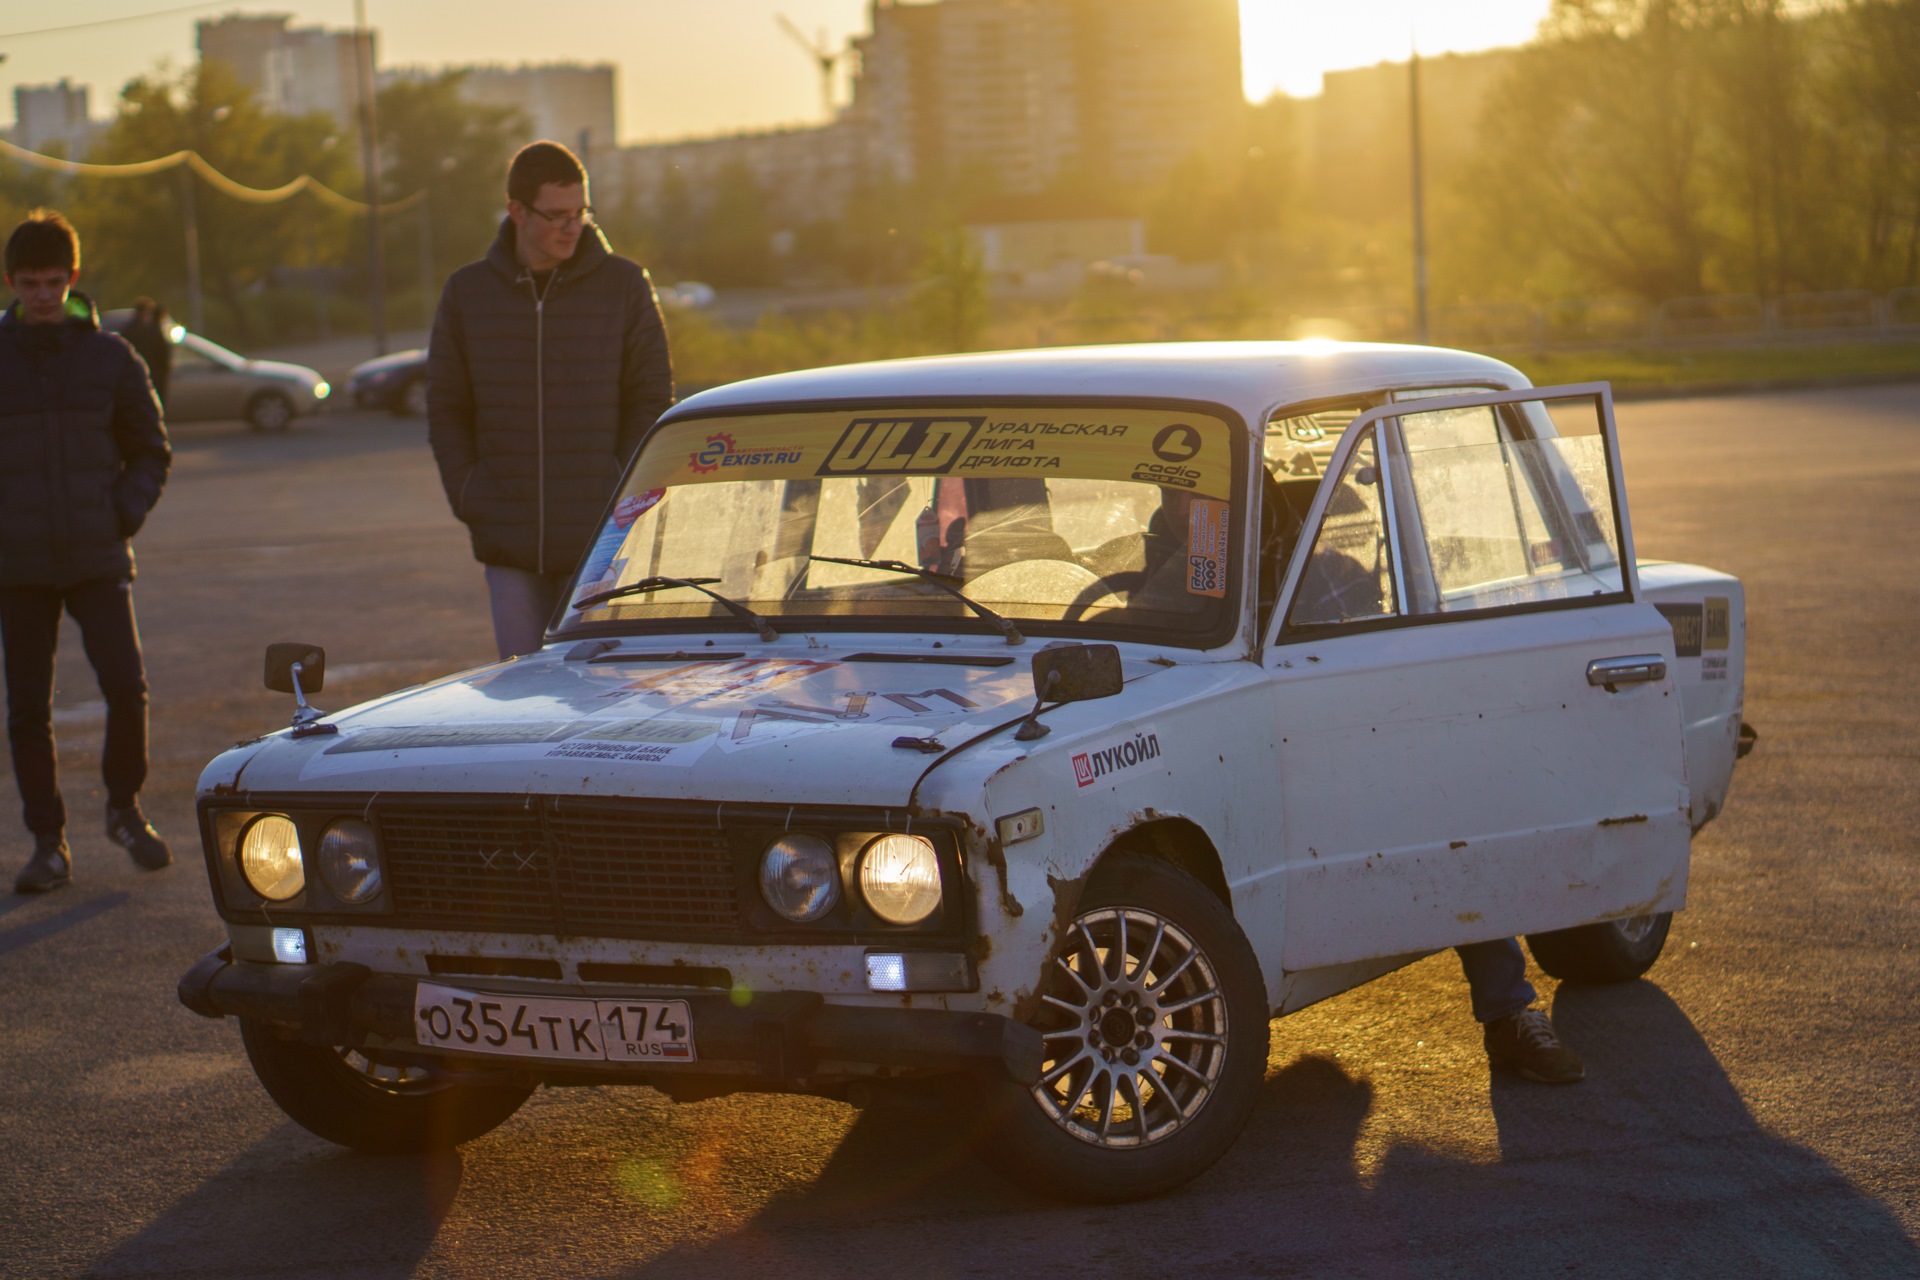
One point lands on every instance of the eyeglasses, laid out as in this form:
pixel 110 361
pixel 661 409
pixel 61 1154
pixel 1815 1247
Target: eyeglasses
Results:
pixel 582 217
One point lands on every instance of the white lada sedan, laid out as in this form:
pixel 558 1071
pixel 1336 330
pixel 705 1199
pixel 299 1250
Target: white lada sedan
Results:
pixel 1040 724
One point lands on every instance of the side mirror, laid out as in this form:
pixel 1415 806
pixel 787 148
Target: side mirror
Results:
pixel 1070 673
pixel 312 660
pixel 1076 672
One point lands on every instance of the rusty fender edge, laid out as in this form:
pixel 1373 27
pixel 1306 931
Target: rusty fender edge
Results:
pixel 776 1037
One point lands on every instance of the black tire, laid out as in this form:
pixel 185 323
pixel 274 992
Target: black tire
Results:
pixel 1186 1098
pixel 338 1095
pixel 412 400
pixel 270 411
pixel 1611 951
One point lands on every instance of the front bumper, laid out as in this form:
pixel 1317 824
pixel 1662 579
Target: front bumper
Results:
pixel 775 1039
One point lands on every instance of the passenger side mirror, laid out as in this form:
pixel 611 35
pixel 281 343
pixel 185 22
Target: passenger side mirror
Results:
pixel 1076 672
pixel 312 660
pixel 1071 673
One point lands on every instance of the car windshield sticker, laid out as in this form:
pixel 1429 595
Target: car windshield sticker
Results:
pixel 1173 448
pixel 1111 757
pixel 1207 526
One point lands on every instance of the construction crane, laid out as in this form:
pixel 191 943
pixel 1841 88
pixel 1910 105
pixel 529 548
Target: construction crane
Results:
pixel 823 55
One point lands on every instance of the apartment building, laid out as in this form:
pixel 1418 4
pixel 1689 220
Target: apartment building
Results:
pixel 52 117
pixel 291 70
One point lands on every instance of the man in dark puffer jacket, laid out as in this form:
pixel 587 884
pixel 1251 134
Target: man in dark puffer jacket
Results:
pixel 83 457
pixel 548 362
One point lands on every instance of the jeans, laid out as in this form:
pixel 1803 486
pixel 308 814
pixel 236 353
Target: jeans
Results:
pixel 1496 978
pixel 523 604
pixel 30 632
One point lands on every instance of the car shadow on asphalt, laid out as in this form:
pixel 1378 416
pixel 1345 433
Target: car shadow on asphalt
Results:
pixel 271 1212
pixel 1654 1166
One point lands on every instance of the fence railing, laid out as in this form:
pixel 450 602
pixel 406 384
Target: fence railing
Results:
pixel 1722 319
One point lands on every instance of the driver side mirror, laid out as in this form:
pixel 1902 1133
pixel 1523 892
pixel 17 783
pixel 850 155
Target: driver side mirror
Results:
pixel 312 660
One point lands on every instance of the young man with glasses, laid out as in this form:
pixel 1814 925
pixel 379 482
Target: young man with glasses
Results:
pixel 548 362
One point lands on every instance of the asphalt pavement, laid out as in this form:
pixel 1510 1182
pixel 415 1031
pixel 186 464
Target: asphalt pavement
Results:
pixel 1751 1108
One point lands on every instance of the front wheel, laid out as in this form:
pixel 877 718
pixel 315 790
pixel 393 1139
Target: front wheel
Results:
pixel 1611 951
pixel 1155 1021
pixel 270 411
pixel 344 1096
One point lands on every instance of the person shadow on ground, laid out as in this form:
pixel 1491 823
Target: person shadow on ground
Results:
pixel 1654 1166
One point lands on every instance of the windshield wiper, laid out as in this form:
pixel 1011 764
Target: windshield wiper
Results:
pixel 940 580
pixel 645 585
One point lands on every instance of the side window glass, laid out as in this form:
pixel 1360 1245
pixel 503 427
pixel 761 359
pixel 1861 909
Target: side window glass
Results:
pixel 1349 576
pixel 1301 446
pixel 1509 506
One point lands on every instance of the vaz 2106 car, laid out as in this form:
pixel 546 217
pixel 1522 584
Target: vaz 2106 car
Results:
pixel 1048 721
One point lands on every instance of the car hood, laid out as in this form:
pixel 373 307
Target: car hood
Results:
pixel 799 726
pixel 290 372
pixel 380 366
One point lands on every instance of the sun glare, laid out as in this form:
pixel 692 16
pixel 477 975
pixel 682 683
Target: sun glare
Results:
pixel 1286 45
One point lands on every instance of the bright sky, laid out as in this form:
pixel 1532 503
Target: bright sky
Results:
pixel 710 66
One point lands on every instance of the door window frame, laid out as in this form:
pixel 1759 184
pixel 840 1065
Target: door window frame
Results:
pixel 1390 451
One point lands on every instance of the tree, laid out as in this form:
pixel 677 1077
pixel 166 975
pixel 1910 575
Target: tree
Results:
pixel 133 228
pixel 457 152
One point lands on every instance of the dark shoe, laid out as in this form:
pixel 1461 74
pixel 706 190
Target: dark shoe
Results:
pixel 1525 1044
pixel 129 829
pixel 50 867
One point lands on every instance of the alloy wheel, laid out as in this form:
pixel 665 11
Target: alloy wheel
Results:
pixel 1135 1025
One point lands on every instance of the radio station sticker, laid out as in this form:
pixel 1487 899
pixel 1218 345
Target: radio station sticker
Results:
pixel 1207 530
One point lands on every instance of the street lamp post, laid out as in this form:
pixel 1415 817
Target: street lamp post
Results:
pixel 1419 202
pixel 190 215
pixel 370 162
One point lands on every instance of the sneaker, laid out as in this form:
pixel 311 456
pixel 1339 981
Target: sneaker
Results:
pixel 130 829
pixel 1525 1044
pixel 50 867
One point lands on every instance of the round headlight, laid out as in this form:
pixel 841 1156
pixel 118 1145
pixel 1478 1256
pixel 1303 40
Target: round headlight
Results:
pixel 799 877
pixel 350 860
pixel 900 878
pixel 270 858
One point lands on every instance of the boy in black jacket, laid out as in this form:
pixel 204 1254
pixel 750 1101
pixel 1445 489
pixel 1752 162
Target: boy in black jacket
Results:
pixel 83 457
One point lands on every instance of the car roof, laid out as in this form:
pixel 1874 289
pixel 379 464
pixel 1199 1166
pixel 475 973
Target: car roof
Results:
pixel 1249 377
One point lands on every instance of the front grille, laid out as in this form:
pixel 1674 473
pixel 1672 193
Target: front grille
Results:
pixel 580 869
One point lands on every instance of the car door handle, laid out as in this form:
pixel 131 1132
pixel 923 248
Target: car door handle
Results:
pixel 1639 668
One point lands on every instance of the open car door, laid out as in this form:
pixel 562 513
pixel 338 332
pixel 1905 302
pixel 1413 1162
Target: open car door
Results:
pixel 1478 733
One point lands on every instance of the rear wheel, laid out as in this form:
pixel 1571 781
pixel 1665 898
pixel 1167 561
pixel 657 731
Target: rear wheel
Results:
pixel 270 411
pixel 1611 951
pixel 1155 1020
pixel 345 1096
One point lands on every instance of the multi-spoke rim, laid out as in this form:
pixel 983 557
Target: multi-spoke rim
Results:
pixel 386 1077
pixel 1135 1025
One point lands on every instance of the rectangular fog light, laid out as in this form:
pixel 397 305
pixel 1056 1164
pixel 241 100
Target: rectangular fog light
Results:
pixel 919 971
pixel 290 946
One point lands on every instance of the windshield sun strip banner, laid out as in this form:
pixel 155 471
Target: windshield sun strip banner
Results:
pixel 1178 449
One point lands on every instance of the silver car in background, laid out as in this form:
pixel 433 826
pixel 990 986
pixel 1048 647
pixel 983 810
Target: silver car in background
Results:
pixel 213 384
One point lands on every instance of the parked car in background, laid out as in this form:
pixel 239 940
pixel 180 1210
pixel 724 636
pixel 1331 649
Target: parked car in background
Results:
pixel 396 383
pixel 1036 725
pixel 213 384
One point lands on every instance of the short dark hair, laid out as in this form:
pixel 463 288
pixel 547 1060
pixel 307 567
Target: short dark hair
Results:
pixel 537 164
pixel 44 240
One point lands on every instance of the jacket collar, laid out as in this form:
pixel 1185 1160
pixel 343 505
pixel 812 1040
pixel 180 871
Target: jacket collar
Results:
pixel 81 316
pixel 592 250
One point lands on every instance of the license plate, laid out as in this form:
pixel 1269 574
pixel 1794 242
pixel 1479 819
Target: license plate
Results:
pixel 552 1026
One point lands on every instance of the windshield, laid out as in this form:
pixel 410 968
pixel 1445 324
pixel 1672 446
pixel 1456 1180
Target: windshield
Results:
pixel 1066 520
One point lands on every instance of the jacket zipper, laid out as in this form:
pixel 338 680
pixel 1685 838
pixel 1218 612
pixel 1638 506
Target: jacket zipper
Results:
pixel 540 410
